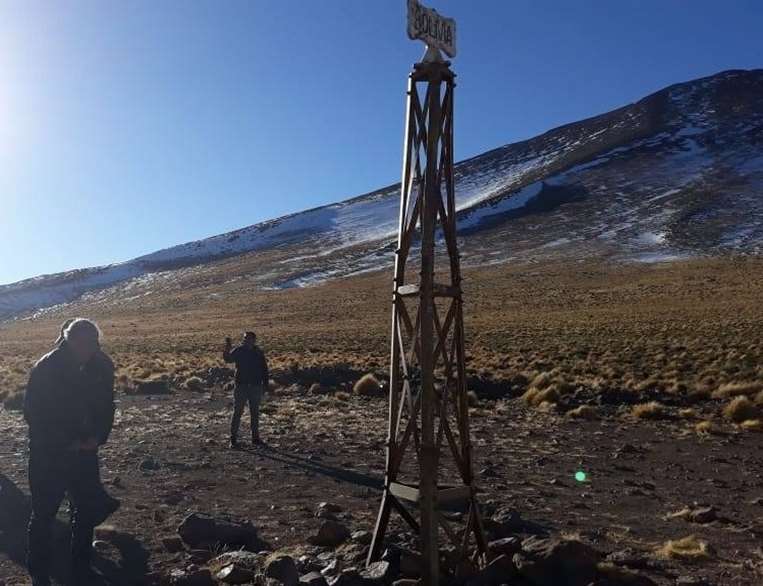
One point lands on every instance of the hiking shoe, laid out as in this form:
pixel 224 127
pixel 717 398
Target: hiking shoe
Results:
pixel 234 445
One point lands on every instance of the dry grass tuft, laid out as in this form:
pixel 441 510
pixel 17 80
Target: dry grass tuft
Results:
pixel 706 427
pixel 752 424
pixel 584 412
pixel 194 383
pixel 687 549
pixel 535 396
pixel 737 390
pixel 651 410
pixel 759 399
pixel 740 409
pixel 546 406
pixel 543 380
pixel 688 413
pixel 682 514
pixel 368 385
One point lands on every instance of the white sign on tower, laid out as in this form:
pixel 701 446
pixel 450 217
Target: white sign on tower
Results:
pixel 434 29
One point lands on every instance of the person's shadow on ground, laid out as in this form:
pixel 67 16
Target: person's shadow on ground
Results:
pixel 341 474
pixel 130 569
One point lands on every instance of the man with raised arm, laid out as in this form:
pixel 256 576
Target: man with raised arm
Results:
pixel 251 384
pixel 69 407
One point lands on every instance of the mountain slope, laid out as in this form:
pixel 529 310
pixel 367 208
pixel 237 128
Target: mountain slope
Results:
pixel 677 174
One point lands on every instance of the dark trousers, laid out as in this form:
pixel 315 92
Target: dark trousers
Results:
pixel 242 395
pixel 52 475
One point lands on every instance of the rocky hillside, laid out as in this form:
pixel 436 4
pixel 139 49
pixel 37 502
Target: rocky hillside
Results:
pixel 677 174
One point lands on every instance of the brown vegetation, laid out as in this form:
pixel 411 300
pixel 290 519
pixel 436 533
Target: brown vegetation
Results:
pixel 651 410
pixel 740 409
pixel 592 342
pixel 689 549
pixel 368 385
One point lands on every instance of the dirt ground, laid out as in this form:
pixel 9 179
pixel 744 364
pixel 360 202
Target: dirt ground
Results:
pixel 638 475
pixel 684 338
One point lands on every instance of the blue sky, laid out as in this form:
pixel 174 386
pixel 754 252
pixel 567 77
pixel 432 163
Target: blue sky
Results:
pixel 126 127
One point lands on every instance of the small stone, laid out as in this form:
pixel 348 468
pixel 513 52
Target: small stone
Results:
pixel 313 579
pixel 508 546
pixel 233 574
pixel 703 515
pixel 554 560
pixel 363 537
pixel 327 511
pixel 307 564
pixel 191 577
pixel 200 531
pixel 690 581
pixel 377 572
pixel 330 534
pixel 283 569
pixel 332 568
pixel 348 577
pixel 629 558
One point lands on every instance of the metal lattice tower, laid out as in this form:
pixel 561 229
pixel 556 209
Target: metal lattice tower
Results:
pixel 429 456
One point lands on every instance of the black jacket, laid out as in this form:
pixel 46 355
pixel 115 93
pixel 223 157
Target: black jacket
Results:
pixel 251 366
pixel 66 402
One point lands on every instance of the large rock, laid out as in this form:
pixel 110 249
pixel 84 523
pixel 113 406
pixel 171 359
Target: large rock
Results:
pixel 557 562
pixel 330 534
pixel 283 569
pixel 199 530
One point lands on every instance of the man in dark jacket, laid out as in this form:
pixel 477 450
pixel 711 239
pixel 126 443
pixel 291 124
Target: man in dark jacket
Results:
pixel 251 383
pixel 69 407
